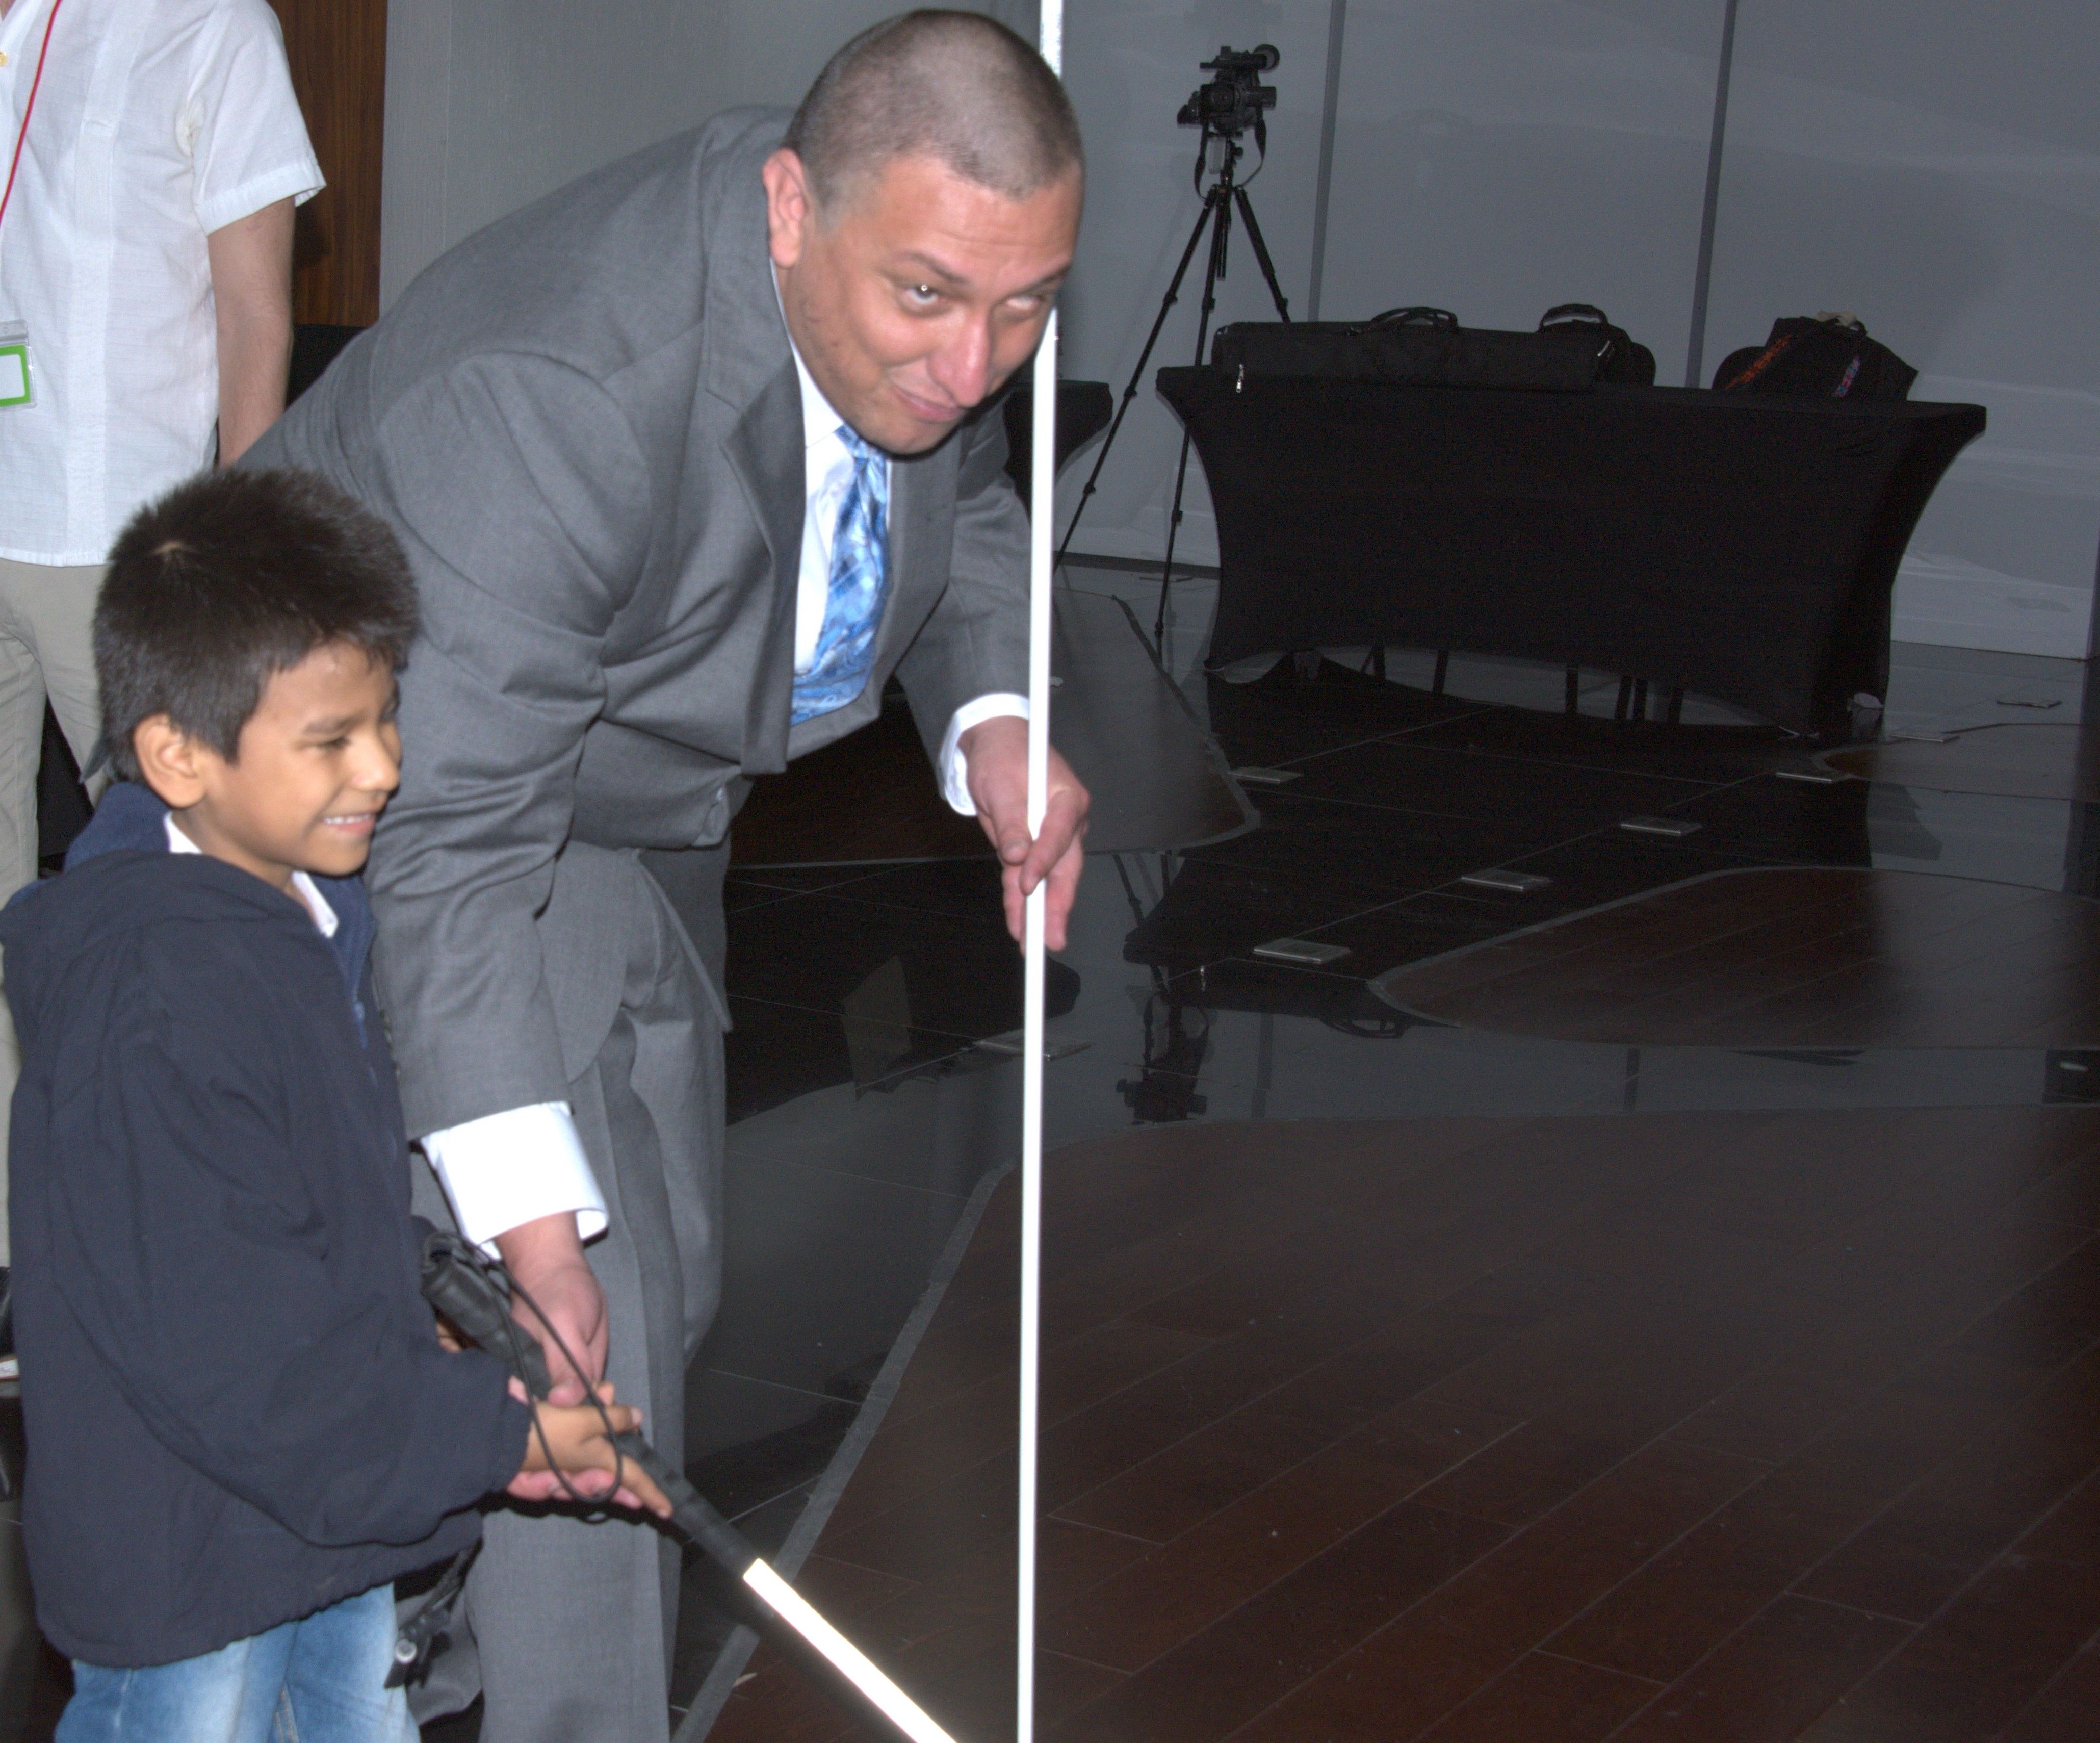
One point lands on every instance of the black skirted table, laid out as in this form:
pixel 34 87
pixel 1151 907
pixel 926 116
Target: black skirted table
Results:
pixel 1741 546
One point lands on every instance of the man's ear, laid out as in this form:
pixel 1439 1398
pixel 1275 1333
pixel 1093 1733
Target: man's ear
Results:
pixel 791 211
pixel 170 761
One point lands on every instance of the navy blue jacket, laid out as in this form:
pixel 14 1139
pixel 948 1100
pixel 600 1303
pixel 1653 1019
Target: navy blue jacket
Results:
pixel 237 1410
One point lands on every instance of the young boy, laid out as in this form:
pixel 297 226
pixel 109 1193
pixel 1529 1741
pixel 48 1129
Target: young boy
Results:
pixel 241 1425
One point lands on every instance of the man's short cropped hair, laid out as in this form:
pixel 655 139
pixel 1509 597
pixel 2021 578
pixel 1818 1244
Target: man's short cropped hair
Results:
pixel 229 579
pixel 956 86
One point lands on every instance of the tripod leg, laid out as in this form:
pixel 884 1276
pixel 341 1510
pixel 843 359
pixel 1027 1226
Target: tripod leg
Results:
pixel 1167 572
pixel 1137 375
pixel 1212 272
pixel 1261 252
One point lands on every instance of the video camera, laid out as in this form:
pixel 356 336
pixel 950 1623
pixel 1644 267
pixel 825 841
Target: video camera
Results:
pixel 1233 102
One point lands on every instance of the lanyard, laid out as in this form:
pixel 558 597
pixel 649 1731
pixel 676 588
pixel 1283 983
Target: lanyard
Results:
pixel 28 108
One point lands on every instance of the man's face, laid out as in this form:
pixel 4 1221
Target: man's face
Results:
pixel 317 762
pixel 917 294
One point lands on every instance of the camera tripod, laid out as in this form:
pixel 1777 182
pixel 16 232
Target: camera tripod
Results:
pixel 1225 194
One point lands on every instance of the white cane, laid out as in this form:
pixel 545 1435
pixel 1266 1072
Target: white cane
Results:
pixel 1042 489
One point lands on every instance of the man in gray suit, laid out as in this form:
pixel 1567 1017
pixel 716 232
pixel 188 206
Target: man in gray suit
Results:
pixel 689 458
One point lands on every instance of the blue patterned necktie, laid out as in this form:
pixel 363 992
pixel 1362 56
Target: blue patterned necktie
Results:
pixel 859 583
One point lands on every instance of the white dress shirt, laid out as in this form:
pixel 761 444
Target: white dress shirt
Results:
pixel 523 1163
pixel 157 122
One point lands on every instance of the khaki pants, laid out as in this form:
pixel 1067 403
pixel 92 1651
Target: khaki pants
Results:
pixel 47 613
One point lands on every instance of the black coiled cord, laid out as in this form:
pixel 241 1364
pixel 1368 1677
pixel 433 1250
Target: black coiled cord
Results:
pixel 489 1323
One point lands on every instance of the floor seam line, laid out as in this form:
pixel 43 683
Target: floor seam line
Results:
pixel 1591 1664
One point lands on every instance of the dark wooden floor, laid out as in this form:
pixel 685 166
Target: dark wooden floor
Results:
pixel 1752 1427
pixel 1788 958
pixel 2013 760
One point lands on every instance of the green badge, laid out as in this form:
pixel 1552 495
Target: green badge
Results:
pixel 16 386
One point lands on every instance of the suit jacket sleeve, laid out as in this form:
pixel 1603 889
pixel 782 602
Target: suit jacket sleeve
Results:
pixel 523 501
pixel 976 640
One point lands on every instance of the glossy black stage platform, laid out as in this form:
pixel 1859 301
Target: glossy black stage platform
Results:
pixel 1700 1188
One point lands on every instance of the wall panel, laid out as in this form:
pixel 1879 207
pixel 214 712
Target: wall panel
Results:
pixel 1935 168
pixel 1493 157
pixel 500 101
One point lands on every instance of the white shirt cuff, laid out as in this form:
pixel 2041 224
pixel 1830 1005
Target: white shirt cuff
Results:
pixel 296 181
pixel 952 767
pixel 513 1168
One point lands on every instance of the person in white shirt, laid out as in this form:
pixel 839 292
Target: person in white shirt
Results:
pixel 151 153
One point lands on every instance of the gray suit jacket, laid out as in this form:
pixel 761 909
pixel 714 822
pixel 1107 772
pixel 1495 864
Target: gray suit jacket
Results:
pixel 584 424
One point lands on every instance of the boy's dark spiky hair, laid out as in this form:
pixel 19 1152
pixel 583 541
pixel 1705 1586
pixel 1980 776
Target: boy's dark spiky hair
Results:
pixel 228 579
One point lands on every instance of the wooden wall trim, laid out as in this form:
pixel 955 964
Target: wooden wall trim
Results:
pixel 338 49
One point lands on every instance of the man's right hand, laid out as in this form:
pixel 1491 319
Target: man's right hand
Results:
pixel 547 1260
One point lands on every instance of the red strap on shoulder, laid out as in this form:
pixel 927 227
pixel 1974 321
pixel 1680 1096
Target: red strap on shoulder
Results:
pixel 28 108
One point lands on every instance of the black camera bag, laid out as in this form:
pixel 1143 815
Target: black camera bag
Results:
pixel 1822 357
pixel 1575 346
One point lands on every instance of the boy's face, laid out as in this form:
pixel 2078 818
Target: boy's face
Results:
pixel 317 761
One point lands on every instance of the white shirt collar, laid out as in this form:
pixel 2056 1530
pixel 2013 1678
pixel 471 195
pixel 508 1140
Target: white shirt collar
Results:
pixel 820 422
pixel 317 904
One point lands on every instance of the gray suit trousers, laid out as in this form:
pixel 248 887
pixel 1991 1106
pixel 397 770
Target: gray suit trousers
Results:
pixel 568 1627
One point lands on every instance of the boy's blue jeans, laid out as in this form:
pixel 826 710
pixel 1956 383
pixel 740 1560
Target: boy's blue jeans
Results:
pixel 320 1680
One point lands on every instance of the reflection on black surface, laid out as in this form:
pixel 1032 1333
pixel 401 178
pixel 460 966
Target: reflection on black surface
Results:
pixel 889 977
pixel 2081 858
pixel 863 1112
pixel 1177 1036
pixel 2073 1075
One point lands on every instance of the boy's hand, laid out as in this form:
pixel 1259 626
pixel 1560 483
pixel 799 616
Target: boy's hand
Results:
pixel 576 1436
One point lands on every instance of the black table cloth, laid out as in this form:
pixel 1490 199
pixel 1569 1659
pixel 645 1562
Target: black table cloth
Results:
pixel 1741 546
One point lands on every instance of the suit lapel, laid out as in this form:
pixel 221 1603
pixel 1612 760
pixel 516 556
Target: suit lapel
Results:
pixel 911 508
pixel 748 368
pixel 765 452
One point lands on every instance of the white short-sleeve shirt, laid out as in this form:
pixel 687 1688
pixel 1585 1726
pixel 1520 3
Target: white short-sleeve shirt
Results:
pixel 157 122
